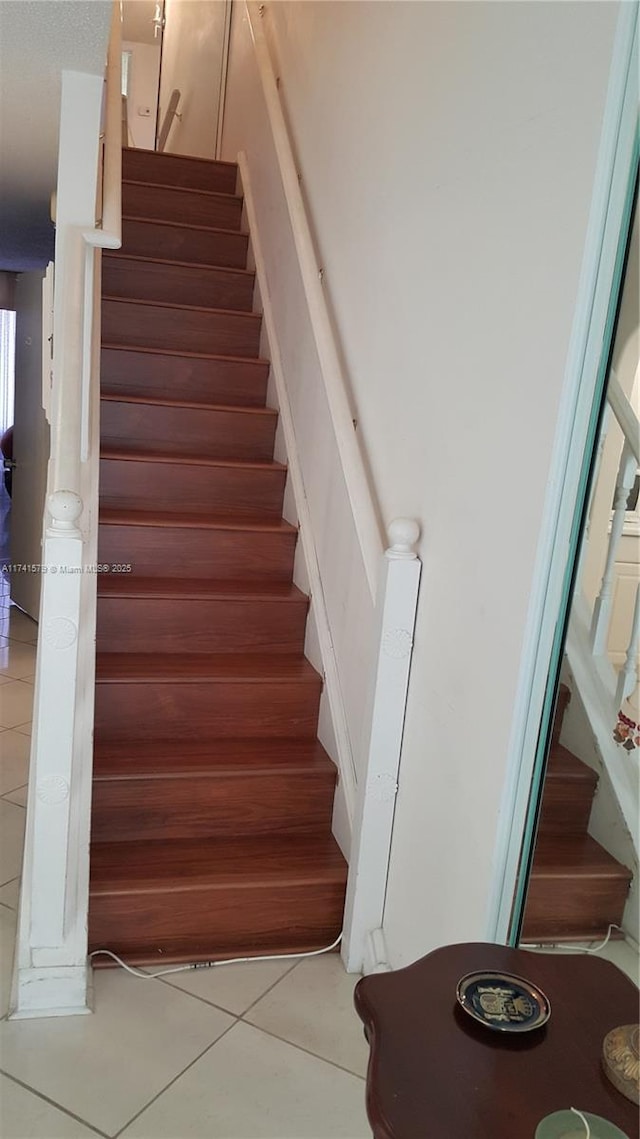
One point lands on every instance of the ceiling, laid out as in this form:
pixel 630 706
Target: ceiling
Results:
pixel 38 39
pixel 137 21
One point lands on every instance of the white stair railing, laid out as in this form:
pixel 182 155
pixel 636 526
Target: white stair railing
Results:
pixel 51 967
pixel 366 616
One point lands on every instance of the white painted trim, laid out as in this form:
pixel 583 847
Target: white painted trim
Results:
pixel 601 249
pixel 361 497
pixel 376 954
pixel 346 764
pixel 224 70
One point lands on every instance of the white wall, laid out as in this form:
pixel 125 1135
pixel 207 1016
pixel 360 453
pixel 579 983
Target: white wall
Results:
pixel 143 92
pixel 447 152
pixel 193 50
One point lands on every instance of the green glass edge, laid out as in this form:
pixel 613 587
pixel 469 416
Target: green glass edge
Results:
pixel 584 485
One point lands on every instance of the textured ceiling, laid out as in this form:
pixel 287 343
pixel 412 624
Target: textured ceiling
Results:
pixel 38 40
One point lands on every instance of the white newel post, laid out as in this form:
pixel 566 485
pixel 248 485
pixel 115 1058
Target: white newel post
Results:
pixel 396 614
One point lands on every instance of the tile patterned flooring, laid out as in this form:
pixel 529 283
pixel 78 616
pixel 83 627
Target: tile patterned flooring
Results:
pixel 271 1050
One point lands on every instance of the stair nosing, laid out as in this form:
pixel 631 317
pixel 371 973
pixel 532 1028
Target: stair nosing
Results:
pixel 186 157
pixel 191 308
pixel 122 255
pixel 198 405
pixel 184 189
pixel 209 668
pixel 186 225
pixel 213 521
pixel 218 591
pixel 113 454
pixel 110 347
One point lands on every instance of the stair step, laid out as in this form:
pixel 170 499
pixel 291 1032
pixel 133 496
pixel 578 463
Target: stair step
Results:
pixel 576 888
pixel 158 543
pixel 193 790
pixel 205 696
pixel 177 616
pixel 181 204
pixel 176 170
pixel 562 703
pixel 155 279
pixel 148 372
pixel 205 898
pixel 568 794
pixel 130 480
pixel 182 327
pixel 197 244
pixel 187 430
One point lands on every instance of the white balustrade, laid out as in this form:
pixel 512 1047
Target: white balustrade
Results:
pixel 602 609
pixel 628 677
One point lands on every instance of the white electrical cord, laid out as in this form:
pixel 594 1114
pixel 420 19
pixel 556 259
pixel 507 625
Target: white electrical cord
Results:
pixel 212 964
pixel 581 1116
pixel 576 948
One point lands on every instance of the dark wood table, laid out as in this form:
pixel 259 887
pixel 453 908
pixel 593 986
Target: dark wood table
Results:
pixel 434 1073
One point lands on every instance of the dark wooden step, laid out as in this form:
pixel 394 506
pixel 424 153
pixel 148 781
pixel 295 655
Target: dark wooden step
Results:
pixel 131 480
pixel 569 788
pixel 147 372
pixel 203 899
pixel 159 544
pixel 205 696
pixel 154 279
pixel 203 245
pixel 181 616
pixel 177 170
pixel 575 888
pixel 181 204
pixel 168 791
pixel 181 327
pixel 187 430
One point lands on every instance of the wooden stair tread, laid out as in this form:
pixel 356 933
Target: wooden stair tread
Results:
pixel 169 262
pixel 182 189
pixel 183 224
pixel 124 585
pixel 115 516
pixel 235 312
pixel 576 856
pixel 563 764
pixel 177 668
pixel 198 405
pixel 114 347
pixel 137 455
pixel 161 759
pixel 188 865
pixel 142 150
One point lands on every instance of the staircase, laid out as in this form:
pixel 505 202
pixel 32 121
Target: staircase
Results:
pixel 212 797
pixel 576 889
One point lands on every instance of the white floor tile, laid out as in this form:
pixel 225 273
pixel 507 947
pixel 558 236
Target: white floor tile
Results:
pixel 107 1066
pixel 10 894
pixel 19 796
pixel 313 1007
pixel 17 660
pixel 232 987
pixel 12 819
pixel 14 760
pixel 8 920
pixel 251 1086
pixel 25 1116
pixel 16 701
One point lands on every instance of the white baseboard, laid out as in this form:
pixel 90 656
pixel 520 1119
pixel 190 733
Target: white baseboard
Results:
pixel 376 958
pixel 54 991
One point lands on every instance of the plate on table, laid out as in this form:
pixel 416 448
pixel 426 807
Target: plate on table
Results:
pixel 568 1125
pixel 503 1001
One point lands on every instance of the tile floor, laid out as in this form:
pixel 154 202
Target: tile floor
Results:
pixel 271 1050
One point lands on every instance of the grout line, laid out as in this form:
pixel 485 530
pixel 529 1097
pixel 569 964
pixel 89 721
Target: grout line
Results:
pixel 53 1103
pixel 307 1051
pixel 174 985
pixel 174 1080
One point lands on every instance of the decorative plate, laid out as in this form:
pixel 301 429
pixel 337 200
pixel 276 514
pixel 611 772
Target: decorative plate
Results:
pixel 503 1002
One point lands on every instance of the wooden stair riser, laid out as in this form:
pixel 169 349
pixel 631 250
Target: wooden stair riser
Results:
pixel 206 710
pixel 179 625
pixel 236 489
pixel 567 907
pixel 174 170
pixel 158 551
pixel 189 284
pixel 187 207
pixel 182 243
pixel 184 329
pixel 241 383
pixel 203 924
pixel 566 803
pixel 215 806
pixel 214 433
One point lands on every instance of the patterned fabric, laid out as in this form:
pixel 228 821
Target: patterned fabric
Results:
pixel 627 732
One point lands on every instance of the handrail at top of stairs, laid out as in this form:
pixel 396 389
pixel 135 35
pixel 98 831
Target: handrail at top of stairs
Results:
pixel 359 490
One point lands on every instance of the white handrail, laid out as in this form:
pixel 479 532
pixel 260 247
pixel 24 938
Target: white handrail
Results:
pixel 364 510
pixel 171 114
pixel 625 415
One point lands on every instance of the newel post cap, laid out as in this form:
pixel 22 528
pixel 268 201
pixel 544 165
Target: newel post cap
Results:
pixel 403 533
pixel 65 507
